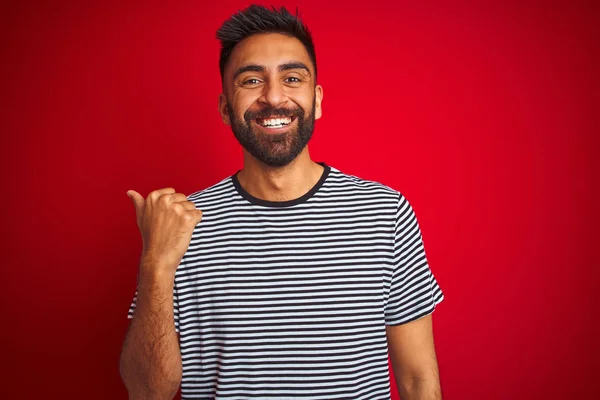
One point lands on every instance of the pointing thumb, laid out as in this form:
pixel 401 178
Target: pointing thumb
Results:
pixel 138 200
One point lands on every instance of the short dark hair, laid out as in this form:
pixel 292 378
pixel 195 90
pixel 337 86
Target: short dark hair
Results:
pixel 259 19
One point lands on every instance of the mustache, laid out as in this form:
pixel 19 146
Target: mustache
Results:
pixel 276 112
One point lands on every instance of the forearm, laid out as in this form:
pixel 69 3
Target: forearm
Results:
pixel 416 389
pixel 150 362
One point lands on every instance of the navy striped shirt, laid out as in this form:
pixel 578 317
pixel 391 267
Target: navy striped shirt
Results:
pixel 290 300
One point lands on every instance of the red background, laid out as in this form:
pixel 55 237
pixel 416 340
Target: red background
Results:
pixel 484 115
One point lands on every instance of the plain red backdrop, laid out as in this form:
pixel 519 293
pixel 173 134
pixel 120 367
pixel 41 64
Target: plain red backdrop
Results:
pixel 484 115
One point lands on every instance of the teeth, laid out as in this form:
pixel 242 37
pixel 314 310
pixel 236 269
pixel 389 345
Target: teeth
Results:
pixel 276 121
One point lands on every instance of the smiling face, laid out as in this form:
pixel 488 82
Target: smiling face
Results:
pixel 270 99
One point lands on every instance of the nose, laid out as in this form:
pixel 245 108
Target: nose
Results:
pixel 273 94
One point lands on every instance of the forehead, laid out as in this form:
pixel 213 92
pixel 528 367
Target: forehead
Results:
pixel 268 50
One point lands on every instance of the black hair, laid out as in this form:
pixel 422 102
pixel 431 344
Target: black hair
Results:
pixel 259 19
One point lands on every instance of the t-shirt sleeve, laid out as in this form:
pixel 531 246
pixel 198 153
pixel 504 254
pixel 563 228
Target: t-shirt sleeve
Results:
pixel 414 291
pixel 175 307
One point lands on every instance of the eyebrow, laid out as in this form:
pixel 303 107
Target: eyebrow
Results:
pixel 293 65
pixel 260 68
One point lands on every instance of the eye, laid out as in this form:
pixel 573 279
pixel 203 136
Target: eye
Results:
pixel 292 79
pixel 251 81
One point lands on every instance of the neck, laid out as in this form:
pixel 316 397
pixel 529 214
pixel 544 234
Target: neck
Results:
pixel 279 183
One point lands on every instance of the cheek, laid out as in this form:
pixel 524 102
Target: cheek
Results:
pixel 243 102
pixel 307 107
pixel 304 99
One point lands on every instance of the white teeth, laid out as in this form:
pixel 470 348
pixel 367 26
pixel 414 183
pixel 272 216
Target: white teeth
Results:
pixel 276 121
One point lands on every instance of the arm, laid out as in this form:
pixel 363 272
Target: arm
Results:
pixel 414 361
pixel 150 363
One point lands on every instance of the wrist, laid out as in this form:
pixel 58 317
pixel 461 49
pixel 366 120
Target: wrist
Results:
pixel 153 274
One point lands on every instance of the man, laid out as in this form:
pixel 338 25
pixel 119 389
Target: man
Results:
pixel 299 278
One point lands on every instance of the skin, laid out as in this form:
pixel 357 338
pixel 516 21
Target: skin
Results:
pixel 150 363
pixel 414 361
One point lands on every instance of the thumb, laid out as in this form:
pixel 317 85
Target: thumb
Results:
pixel 138 201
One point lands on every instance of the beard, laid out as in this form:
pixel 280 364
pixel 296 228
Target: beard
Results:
pixel 273 149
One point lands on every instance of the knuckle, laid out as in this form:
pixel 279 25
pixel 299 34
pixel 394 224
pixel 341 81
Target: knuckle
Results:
pixel 156 194
pixel 178 208
pixel 165 198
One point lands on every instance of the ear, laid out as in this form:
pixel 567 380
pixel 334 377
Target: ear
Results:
pixel 318 100
pixel 223 109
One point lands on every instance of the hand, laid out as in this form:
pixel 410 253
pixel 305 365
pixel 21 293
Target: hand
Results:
pixel 166 221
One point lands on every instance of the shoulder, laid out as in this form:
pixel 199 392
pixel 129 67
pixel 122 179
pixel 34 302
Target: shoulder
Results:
pixel 219 191
pixel 356 184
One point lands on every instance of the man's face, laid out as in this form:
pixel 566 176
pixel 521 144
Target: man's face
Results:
pixel 270 98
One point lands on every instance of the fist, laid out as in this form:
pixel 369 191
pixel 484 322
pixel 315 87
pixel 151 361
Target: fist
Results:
pixel 166 220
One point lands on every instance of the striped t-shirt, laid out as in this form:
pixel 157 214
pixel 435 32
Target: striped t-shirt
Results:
pixel 290 300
